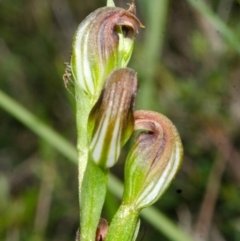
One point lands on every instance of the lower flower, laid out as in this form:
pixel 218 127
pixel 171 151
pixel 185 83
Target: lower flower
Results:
pixel 153 161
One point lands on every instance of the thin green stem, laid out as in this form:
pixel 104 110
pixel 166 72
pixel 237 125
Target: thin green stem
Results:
pixel 38 127
pixel 123 225
pixel 92 179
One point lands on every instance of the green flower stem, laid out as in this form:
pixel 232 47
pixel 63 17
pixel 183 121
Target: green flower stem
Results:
pixel 91 200
pixel 83 108
pixel 110 3
pixel 124 224
pixel 89 174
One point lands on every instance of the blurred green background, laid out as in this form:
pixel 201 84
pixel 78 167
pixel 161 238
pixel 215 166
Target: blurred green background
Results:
pixel 188 65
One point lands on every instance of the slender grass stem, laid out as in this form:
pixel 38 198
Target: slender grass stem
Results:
pixel 38 127
pixel 220 26
pixel 152 47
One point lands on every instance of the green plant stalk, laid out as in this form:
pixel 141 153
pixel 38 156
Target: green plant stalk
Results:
pixel 226 32
pixel 151 214
pixel 83 108
pixel 123 225
pixel 91 200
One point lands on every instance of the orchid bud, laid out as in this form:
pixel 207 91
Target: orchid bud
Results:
pixel 111 121
pixel 153 161
pixel 103 42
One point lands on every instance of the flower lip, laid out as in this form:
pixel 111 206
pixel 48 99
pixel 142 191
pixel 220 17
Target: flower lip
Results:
pixel 147 121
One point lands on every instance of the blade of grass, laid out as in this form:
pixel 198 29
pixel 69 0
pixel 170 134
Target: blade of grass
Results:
pixel 220 26
pixel 152 47
pixel 38 127
pixel 152 215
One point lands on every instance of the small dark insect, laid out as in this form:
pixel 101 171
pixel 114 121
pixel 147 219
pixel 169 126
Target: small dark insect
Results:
pixel 179 191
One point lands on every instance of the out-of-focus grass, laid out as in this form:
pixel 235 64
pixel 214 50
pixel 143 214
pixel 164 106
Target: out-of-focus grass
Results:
pixel 188 67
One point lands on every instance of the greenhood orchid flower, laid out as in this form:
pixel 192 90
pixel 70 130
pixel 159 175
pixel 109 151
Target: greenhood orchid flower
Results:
pixel 103 42
pixel 153 161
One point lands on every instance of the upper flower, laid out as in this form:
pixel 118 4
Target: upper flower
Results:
pixel 103 41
